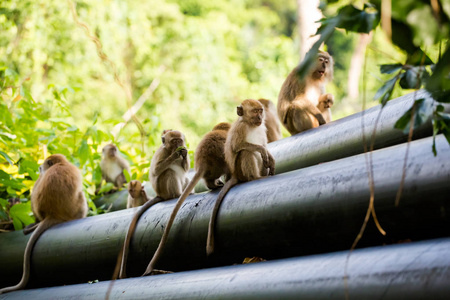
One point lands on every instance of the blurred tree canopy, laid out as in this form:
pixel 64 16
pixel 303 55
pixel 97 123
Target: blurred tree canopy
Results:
pixel 199 59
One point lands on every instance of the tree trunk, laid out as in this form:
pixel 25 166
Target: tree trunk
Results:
pixel 356 65
pixel 308 14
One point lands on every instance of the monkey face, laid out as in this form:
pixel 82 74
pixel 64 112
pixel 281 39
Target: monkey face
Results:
pixel 173 139
pixel 110 150
pixel 324 66
pixel 252 112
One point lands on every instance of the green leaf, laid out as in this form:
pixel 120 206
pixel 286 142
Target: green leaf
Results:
pixel 413 78
pixel 384 93
pixel 6 157
pixel 438 84
pixel 106 187
pixel 423 111
pixel 21 214
pixel 83 152
pixel 390 68
pixel 356 20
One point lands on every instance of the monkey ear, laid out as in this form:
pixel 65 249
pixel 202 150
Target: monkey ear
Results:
pixel 240 110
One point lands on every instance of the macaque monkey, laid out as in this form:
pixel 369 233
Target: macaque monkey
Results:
pixel 112 166
pixel 168 170
pixel 246 155
pixel 271 121
pixel 210 165
pixel 57 197
pixel 136 194
pixel 303 105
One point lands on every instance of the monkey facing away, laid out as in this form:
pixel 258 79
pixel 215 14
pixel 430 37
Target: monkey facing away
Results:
pixel 57 197
pixel 210 165
pixel 303 105
pixel 271 121
pixel 136 194
pixel 112 166
pixel 167 175
pixel 245 153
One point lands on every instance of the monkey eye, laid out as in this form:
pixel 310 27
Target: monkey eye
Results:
pixel 50 163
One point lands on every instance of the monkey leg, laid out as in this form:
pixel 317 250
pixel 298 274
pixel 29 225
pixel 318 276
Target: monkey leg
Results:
pixel 120 180
pixel 248 166
pixel 168 185
pixel 301 116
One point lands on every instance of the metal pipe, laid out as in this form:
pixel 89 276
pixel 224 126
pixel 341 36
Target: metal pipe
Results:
pixel 313 210
pixel 418 270
pixel 336 140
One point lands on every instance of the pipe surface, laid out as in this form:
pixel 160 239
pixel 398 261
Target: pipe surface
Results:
pixel 410 271
pixel 313 210
pixel 335 140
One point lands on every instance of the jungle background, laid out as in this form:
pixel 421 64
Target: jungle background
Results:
pixel 182 64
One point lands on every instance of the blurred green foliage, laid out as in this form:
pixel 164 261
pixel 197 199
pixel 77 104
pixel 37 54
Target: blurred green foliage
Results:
pixel 58 96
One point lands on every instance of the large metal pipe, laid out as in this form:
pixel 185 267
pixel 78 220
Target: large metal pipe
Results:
pixel 404 271
pixel 338 139
pixel 313 210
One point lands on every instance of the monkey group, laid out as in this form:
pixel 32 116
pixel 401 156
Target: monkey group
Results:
pixel 228 155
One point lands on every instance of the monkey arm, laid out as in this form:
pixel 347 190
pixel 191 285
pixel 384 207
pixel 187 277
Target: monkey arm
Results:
pixel 164 164
pixel 123 164
pixel 271 164
pixel 255 148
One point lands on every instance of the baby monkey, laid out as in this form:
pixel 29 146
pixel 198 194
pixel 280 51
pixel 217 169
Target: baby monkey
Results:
pixel 303 104
pixel 136 194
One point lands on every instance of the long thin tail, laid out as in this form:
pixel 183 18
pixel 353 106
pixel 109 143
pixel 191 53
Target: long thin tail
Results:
pixel 41 228
pixel 190 187
pixel 121 264
pixel 212 221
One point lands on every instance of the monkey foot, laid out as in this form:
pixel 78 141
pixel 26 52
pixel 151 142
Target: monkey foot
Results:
pixel 159 272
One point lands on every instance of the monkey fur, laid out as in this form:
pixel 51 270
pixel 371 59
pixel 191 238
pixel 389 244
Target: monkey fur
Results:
pixel 210 165
pixel 303 104
pixel 57 197
pixel 246 155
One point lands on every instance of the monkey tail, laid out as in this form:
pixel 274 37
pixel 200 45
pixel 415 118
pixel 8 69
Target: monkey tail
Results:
pixel 121 265
pixel 41 228
pixel 212 221
pixel 189 188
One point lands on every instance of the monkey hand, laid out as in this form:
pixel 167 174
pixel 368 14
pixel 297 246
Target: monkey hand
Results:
pixel 182 151
pixel 326 100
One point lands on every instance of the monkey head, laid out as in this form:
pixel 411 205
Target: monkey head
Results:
pixel 173 139
pixel 52 160
pixel 135 188
pixel 109 150
pixel 324 67
pixel 222 126
pixel 252 112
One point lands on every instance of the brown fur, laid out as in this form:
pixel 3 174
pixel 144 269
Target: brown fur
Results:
pixel 245 153
pixel 112 166
pixel 303 105
pixel 57 197
pixel 168 177
pixel 209 164
pixel 271 121
pixel 136 194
